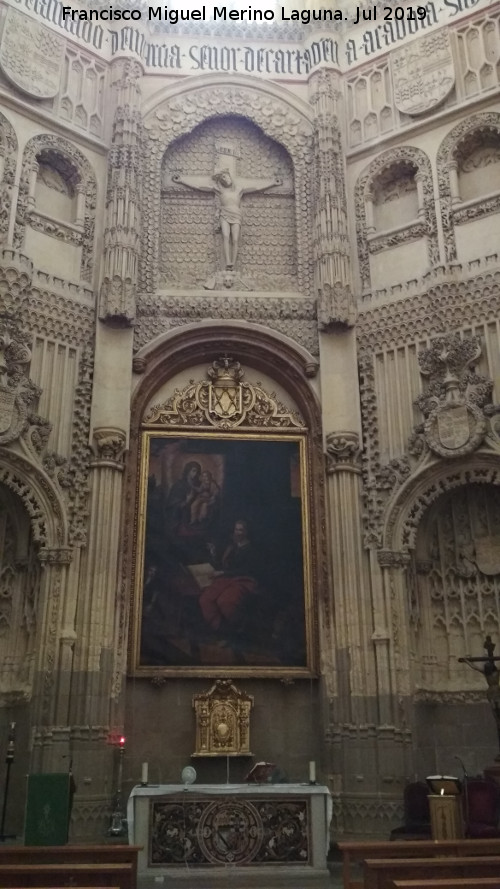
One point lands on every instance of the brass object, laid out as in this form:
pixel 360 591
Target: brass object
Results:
pixel 223 721
pixel 223 401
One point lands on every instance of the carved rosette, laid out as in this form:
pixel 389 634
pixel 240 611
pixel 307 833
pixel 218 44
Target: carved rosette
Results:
pixel 109 447
pixel 223 401
pixel 343 452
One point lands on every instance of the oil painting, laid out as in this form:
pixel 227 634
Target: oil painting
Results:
pixel 223 567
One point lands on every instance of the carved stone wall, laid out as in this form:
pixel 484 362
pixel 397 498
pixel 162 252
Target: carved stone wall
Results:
pixel 448 158
pixel 456 586
pixel 175 117
pixel 267 257
pixel 385 168
pixel 8 158
pixel 71 158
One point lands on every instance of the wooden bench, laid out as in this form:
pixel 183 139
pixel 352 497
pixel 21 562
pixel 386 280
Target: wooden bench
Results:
pixel 355 852
pixel 455 883
pixel 110 866
pixel 381 873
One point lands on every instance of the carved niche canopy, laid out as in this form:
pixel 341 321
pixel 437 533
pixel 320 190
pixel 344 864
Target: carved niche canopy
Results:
pixel 223 401
pixel 223 721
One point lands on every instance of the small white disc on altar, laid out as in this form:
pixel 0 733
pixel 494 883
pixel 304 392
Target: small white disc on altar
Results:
pixel 188 775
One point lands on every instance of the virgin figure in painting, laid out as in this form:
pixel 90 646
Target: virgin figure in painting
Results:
pixel 223 568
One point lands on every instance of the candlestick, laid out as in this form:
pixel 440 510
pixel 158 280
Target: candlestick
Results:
pixel 312 772
pixel 144 773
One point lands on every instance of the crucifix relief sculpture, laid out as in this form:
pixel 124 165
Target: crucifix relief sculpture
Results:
pixel 230 189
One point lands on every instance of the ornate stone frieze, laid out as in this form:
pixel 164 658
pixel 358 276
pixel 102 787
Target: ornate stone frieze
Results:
pixel 292 315
pixel 223 401
pixel 477 210
pixel 430 696
pixel 410 514
pixel 423 73
pixel 343 450
pixel 30 500
pixel 447 157
pixel 15 279
pixel 17 392
pixel 55 556
pixel 68 234
pixel 109 447
pixel 387 558
pixel 394 239
pixel 49 146
pixel 409 158
pixel 180 115
pixel 8 159
pixel 31 55
pixel 453 404
pixel 442 296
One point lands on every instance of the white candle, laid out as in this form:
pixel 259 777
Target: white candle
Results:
pixel 144 773
pixel 312 772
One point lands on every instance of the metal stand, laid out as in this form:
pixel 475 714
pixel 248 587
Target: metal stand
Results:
pixel 118 819
pixel 9 759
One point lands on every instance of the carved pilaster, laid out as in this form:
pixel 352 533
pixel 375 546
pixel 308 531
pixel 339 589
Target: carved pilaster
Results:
pixel 343 452
pixel 122 231
pixel 95 623
pixel 351 602
pixel 390 637
pixel 333 283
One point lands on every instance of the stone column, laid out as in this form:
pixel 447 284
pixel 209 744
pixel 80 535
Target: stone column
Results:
pixel 122 229
pixel 50 730
pixel 91 707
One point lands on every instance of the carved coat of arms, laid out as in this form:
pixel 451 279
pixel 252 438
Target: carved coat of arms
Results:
pixel 423 73
pixel 453 404
pixel 31 56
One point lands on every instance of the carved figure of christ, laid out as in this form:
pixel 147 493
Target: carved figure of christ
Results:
pixel 230 191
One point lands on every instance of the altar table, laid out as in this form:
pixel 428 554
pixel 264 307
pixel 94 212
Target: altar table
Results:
pixel 265 826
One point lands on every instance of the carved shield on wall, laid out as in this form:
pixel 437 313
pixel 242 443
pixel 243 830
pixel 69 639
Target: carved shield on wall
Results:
pixel 488 554
pixel 7 402
pixel 453 427
pixel 423 73
pixel 31 56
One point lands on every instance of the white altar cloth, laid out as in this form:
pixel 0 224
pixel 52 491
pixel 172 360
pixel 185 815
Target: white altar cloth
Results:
pixel 320 799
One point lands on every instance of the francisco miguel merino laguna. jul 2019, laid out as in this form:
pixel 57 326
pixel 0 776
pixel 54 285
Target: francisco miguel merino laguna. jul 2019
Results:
pixel 216 13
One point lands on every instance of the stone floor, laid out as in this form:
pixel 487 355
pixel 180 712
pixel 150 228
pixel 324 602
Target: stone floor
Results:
pixel 239 878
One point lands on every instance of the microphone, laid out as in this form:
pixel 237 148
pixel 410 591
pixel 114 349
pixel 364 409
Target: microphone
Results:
pixel 462 764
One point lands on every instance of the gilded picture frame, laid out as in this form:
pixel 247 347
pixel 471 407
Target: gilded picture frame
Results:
pixel 223 567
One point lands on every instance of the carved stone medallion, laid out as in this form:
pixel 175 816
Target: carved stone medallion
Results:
pixel 31 56
pixel 423 73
